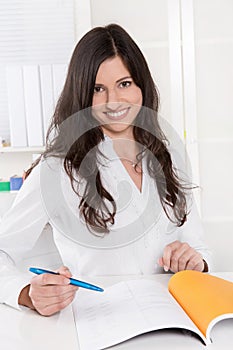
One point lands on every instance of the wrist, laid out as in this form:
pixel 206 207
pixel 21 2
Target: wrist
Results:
pixel 205 268
pixel 24 298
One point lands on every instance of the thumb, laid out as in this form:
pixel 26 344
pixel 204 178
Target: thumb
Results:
pixel 63 270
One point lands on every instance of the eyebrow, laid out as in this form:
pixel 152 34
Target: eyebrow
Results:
pixel 128 77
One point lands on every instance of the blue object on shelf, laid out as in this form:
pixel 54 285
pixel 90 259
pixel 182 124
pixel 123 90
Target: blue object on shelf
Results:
pixel 15 183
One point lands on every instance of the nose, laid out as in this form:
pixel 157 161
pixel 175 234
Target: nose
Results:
pixel 113 99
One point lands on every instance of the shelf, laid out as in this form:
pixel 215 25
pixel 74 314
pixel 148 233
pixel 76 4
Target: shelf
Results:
pixel 9 193
pixel 22 149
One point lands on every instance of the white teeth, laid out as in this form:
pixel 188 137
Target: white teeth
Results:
pixel 116 114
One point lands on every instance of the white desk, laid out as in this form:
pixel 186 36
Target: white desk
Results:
pixel 27 330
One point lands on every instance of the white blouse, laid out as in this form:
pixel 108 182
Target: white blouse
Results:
pixel 133 245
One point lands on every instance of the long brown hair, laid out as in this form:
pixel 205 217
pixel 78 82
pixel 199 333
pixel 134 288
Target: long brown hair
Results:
pixel 94 48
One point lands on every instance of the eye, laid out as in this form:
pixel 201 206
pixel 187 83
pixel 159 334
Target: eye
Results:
pixel 98 89
pixel 125 84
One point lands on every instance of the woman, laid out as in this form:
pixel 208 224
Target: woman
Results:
pixel 106 182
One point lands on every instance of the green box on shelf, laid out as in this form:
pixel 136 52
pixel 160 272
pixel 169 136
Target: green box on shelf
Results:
pixel 4 186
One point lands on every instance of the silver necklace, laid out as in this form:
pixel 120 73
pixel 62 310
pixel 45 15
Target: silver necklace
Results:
pixel 134 164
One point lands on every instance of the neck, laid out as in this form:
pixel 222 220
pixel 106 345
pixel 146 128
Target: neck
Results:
pixel 126 149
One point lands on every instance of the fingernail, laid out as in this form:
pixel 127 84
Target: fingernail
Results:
pixel 166 268
pixel 66 281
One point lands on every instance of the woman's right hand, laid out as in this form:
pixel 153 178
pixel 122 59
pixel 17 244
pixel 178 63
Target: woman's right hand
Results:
pixel 48 293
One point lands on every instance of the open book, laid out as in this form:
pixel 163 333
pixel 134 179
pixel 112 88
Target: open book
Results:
pixel 193 301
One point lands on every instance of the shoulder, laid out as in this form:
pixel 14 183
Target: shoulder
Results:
pixel 42 172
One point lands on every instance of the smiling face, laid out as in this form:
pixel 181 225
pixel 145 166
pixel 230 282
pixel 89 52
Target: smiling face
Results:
pixel 116 100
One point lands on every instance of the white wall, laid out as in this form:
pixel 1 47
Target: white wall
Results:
pixel 214 78
pixel 148 23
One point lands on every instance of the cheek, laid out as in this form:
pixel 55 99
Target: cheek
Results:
pixel 97 107
pixel 99 99
pixel 94 111
pixel 137 97
pixel 94 101
pixel 97 110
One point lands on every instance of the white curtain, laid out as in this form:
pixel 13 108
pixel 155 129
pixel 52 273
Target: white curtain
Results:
pixel 32 32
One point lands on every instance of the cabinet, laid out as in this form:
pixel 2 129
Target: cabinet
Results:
pixel 13 161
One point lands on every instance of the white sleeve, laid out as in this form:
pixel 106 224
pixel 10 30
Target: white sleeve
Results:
pixel 192 232
pixel 20 228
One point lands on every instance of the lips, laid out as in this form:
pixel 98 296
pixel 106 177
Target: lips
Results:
pixel 117 115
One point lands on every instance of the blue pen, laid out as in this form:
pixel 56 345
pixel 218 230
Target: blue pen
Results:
pixel 73 281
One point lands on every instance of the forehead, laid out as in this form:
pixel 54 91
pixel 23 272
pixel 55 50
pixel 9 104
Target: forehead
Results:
pixel 111 69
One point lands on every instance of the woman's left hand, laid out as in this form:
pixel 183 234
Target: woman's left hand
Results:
pixel 178 256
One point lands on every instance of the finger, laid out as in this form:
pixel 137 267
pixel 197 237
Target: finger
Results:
pixel 44 301
pixel 48 279
pixel 47 291
pixel 40 301
pixel 168 252
pixel 196 262
pixel 180 257
pixel 185 259
pixel 54 308
pixel 160 262
pixel 167 258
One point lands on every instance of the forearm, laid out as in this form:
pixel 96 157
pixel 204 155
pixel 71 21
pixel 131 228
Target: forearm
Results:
pixel 12 281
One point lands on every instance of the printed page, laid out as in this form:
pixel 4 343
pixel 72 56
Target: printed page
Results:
pixel 203 297
pixel 125 310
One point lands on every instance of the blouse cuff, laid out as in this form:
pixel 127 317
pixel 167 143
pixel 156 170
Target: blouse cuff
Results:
pixel 11 288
